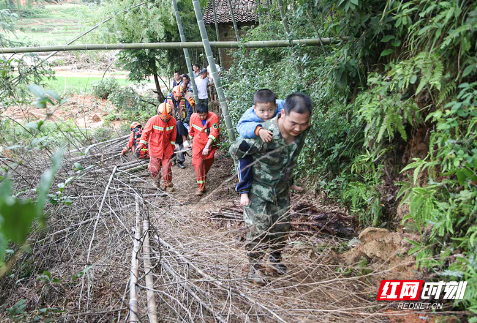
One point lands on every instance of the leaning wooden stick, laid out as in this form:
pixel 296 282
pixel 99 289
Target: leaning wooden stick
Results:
pixel 151 301
pixel 133 314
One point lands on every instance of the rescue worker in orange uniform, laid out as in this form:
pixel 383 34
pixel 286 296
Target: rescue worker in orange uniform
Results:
pixel 136 133
pixel 160 134
pixel 204 130
pixel 182 111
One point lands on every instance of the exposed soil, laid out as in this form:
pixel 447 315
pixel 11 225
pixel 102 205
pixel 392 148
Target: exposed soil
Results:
pixel 86 110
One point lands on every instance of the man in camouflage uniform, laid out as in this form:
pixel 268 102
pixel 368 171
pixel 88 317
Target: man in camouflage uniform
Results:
pixel 267 216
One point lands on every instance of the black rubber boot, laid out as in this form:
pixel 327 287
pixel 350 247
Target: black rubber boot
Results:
pixel 276 263
pixel 256 276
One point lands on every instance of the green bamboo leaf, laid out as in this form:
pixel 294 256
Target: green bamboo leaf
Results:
pixel 423 30
pixel 386 52
pixel 32 125
pixel 17 217
pixel 387 38
pixel 47 179
pixel 36 90
pixel 78 166
pixel 53 94
pixel 469 69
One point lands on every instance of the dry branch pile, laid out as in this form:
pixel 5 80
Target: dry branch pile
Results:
pixel 191 266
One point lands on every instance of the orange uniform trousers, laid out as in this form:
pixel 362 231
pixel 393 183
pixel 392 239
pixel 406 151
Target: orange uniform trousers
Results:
pixel 201 167
pixel 155 168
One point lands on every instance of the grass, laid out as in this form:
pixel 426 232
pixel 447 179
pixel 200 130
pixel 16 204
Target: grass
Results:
pixel 68 84
pixel 53 24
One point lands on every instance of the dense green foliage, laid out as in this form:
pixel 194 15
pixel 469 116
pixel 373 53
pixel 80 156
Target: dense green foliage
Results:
pixel 396 107
pixel 152 22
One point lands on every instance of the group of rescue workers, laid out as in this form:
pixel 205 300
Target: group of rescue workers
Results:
pixel 168 132
pixel 272 134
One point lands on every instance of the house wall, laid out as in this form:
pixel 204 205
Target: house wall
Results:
pixel 227 33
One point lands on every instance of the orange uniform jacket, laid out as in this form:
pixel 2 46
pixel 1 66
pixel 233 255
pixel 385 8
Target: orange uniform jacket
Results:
pixel 202 134
pixel 161 137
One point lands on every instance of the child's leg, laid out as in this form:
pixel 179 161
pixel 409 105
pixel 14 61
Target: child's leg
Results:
pixel 244 173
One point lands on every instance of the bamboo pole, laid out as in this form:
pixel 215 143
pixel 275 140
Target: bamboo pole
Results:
pixel 133 310
pixel 217 32
pixel 260 22
pixel 215 75
pixel 151 301
pixel 289 35
pixel 284 19
pixel 237 35
pixel 170 45
pixel 186 52
pixel 268 9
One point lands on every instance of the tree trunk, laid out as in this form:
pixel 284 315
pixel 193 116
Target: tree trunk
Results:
pixel 160 96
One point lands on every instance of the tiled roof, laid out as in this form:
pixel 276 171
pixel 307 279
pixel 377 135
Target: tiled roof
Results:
pixel 244 11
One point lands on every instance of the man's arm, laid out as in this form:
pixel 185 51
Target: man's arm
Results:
pixel 189 111
pixel 191 128
pixel 130 143
pixel 214 128
pixel 174 131
pixel 248 123
pixel 146 133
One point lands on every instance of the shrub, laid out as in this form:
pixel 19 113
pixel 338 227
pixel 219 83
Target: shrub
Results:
pixel 105 87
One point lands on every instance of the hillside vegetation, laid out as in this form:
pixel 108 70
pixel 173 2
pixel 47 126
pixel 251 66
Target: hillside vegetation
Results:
pixel 395 125
pixel 393 141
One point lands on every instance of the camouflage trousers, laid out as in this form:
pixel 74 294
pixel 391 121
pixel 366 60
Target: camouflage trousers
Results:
pixel 268 224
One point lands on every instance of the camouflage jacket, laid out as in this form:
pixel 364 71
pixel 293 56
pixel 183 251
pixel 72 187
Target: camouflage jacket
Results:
pixel 273 165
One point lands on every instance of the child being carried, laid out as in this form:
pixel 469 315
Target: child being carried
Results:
pixel 265 107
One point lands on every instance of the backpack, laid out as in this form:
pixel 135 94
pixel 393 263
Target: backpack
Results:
pixel 143 153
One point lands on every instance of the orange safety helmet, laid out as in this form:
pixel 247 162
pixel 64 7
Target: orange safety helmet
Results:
pixel 177 90
pixel 164 110
pixel 135 124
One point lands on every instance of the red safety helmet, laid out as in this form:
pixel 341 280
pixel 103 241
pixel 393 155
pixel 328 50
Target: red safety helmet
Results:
pixel 177 90
pixel 164 110
pixel 135 124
